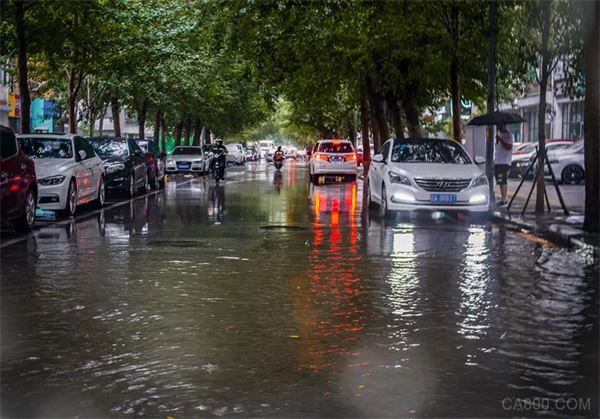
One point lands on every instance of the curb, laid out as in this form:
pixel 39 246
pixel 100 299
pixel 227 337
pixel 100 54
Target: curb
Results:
pixel 553 233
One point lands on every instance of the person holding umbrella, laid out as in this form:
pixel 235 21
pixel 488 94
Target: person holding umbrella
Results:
pixel 502 160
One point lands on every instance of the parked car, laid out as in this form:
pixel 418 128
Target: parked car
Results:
pixel 333 157
pixel 68 170
pixel 426 174
pixel 18 183
pixel 250 154
pixel 235 154
pixel 124 163
pixel 187 159
pixel 567 164
pixel 522 156
pixel 155 162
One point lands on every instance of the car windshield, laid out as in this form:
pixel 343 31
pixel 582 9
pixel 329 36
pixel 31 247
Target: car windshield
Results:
pixel 47 148
pixel 428 151
pixel 105 148
pixel 186 151
pixel 335 147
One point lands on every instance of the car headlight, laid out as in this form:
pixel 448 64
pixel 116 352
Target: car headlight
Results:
pixel 403 197
pixel 398 178
pixel 113 168
pixel 478 199
pixel 51 180
pixel 479 181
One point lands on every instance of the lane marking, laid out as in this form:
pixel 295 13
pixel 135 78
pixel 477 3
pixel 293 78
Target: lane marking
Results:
pixel 87 215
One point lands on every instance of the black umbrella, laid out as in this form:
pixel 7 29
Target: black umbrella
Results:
pixel 496 118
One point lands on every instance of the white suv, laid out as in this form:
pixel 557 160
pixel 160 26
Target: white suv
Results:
pixel 235 153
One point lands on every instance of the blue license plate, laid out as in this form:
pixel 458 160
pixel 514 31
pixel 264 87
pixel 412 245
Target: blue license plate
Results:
pixel 442 198
pixel 336 159
pixel 43 214
pixel 184 166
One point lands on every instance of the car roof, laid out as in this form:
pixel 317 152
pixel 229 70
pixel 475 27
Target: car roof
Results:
pixel 58 136
pixel 106 138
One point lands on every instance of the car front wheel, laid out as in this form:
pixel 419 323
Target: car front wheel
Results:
pixel 383 206
pixel 71 205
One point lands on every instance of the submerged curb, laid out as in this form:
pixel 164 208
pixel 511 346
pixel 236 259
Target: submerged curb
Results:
pixel 561 234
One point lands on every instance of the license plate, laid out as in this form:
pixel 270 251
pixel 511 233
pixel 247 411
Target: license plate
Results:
pixel 43 214
pixel 336 159
pixel 445 198
pixel 184 166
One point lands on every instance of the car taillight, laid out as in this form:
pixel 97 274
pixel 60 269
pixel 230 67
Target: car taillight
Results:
pixel 149 157
pixel 320 156
pixel 351 157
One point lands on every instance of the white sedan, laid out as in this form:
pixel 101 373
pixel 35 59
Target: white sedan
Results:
pixel 426 174
pixel 68 170
pixel 187 159
pixel 568 163
pixel 333 158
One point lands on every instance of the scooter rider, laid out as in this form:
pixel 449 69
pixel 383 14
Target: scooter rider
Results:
pixel 220 152
pixel 278 154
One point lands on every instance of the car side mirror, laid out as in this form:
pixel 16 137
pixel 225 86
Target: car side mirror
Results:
pixel 82 154
pixel 378 158
pixel 479 160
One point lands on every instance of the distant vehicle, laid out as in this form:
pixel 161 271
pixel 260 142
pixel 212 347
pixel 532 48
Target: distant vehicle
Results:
pixel 155 162
pixel 265 147
pixel 426 174
pixel 333 157
pixel 124 163
pixel 250 154
pixel 567 164
pixel 18 185
pixel 68 170
pixel 521 156
pixel 291 153
pixel 187 159
pixel 235 153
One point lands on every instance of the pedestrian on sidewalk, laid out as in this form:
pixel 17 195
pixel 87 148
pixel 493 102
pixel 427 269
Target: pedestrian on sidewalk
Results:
pixel 503 158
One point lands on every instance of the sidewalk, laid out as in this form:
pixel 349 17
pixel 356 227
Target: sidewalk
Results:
pixel 555 225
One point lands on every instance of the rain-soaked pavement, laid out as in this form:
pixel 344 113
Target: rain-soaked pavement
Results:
pixel 266 297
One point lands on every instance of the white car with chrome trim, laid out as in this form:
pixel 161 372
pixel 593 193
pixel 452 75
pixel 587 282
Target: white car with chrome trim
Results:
pixel 426 174
pixel 69 171
pixel 333 158
pixel 187 159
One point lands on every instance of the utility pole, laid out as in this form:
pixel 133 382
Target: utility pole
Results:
pixel 491 92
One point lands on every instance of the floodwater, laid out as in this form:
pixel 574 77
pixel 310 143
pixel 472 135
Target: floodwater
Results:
pixel 265 296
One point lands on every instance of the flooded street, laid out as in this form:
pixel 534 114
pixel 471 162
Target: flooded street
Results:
pixel 265 296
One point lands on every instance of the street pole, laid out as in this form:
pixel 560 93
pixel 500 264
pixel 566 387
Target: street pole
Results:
pixel 491 88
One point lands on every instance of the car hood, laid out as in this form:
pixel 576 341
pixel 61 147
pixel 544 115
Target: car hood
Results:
pixel 436 170
pixel 52 167
pixel 106 160
pixel 185 157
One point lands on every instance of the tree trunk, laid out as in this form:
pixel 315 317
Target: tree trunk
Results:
pixel 187 128
pixel 208 139
pixel 364 131
pixel 178 128
pixel 411 110
pixel 72 102
pixel 197 132
pixel 91 113
pixel 379 114
pixel 116 114
pixel 142 111
pixel 544 70
pixel 101 123
pixel 591 63
pixel 156 134
pixel 455 94
pixel 163 133
pixel 392 103
pixel 24 95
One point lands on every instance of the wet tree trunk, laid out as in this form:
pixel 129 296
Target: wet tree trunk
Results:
pixel 142 111
pixel 116 115
pixel 197 132
pixel 208 137
pixel 411 110
pixel 364 131
pixel 157 127
pixel 74 84
pixel 163 133
pixel 101 123
pixel 178 129
pixel 591 63
pixel 187 128
pixel 392 103
pixel 24 94
pixel 90 108
pixel 455 94
pixel 544 70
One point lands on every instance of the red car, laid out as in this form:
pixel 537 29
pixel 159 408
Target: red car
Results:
pixel 18 183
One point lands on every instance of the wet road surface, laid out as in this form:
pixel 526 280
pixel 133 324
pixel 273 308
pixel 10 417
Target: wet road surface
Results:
pixel 266 297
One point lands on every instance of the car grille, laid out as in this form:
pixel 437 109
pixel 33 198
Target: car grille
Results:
pixel 443 185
